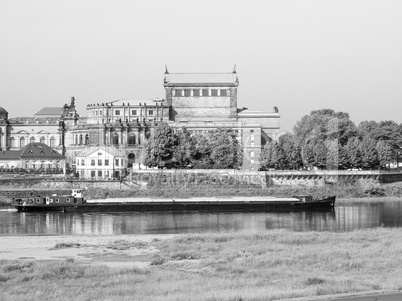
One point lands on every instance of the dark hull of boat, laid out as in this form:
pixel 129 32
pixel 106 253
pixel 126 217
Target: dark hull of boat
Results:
pixel 324 204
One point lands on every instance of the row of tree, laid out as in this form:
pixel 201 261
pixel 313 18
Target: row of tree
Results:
pixel 329 139
pixel 167 148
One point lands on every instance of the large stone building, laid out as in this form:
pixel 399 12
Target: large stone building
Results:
pixel 199 101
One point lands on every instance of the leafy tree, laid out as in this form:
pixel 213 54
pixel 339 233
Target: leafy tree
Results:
pixel 366 128
pixel 278 156
pixel 160 147
pixel 320 154
pixel 343 158
pixel 226 151
pixel 332 155
pixel 354 155
pixel 185 150
pixel 384 150
pixel 369 153
pixel 325 124
pixel 295 158
pixel 307 154
pixel 266 155
pixel 202 154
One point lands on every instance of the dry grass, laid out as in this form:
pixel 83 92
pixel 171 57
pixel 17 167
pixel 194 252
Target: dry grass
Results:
pixel 233 266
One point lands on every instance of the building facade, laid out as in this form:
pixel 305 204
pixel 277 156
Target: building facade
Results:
pixel 201 102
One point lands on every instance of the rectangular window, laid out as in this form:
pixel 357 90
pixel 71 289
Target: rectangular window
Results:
pixel 96 113
pixel 224 92
pixel 121 161
pixel 78 162
pixel 92 173
pixel 82 162
pixel 251 131
pixel 106 162
pixel 117 162
pixel 177 93
pixel 99 173
pixel 187 92
pixel 117 112
pixel 150 112
pixel 100 113
pixel 214 92
pixel 196 92
pixel 99 162
pixel 133 112
pixel 82 174
pixel 205 92
pixel 92 162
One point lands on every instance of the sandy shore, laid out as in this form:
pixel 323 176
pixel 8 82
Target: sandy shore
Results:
pixel 113 250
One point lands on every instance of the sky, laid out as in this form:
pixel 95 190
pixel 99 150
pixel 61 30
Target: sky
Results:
pixel 300 55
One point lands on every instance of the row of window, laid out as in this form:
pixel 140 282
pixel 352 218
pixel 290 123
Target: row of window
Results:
pixel 101 162
pixel 100 174
pixel 21 142
pixel 119 112
pixel 200 92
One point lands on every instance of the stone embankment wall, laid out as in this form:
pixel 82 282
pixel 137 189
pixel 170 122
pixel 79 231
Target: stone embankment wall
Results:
pixel 151 178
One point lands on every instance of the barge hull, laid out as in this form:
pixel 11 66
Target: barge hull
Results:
pixel 324 204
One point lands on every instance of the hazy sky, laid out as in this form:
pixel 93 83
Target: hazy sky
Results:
pixel 297 55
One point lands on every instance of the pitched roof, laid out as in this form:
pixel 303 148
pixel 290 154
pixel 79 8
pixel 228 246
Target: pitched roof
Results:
pixel 38 150
pixel 9 155
pixel 34 150
pixel 50 111
pixel 108 149
pixel 197 78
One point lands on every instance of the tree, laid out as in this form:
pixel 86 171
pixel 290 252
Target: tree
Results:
pixel 185 150
pixel 266 156
pixel 325 124
pixel 369 153
pixel 202 154
pixel 332 155
pixel 384 150
pixel 226 150
pixel 278 156
pixel 160 147
pixel 307 154
pixel 320 154
pixel 353 151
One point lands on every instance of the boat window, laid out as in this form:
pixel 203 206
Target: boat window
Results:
pixel 68 200
pixel 57 200
pixel 51 200
pixel 38 201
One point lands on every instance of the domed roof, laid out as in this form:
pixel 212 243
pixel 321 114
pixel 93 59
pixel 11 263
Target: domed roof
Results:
pixel 3 112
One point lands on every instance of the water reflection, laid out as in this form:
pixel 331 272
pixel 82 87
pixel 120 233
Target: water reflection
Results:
pixel 343 218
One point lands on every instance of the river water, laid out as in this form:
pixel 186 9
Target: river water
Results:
pixel 346 216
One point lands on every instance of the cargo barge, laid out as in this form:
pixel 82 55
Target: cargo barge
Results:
pixel 77 203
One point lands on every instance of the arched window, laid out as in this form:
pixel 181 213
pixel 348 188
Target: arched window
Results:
pixel 42 139
pixel 13 142
pixel 86 139
pixel 115 139
pixel 131 139
pixel 22 142
pixel 80 139
pixel 52 141
pixel 32 140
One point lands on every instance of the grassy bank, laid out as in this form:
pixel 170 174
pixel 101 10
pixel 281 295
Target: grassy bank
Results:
pixel 272 265
pixel 341 190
